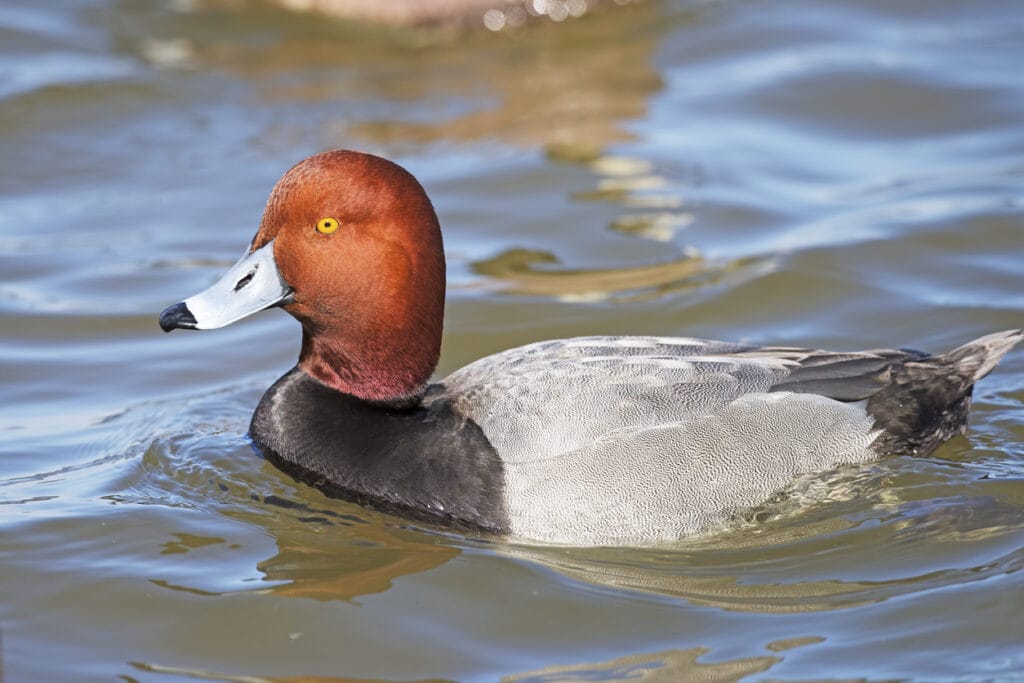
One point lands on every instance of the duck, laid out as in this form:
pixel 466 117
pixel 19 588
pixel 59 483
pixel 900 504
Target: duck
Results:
pixel 598 440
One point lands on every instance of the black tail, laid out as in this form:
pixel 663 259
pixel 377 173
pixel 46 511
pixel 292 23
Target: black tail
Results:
pixel 928 399
pixel 977 358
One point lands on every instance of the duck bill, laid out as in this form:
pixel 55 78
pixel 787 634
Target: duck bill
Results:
pixel 253 284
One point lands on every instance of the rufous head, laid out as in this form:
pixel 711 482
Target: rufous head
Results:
pixel 350 246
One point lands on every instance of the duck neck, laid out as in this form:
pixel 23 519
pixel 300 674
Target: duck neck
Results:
pixel 374 369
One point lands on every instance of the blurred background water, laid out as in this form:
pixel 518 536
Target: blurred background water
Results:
pixel 844 174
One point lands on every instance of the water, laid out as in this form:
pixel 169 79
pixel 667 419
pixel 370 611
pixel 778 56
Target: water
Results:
pixel 836 174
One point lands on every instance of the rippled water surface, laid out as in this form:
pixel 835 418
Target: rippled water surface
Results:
pixel 837 174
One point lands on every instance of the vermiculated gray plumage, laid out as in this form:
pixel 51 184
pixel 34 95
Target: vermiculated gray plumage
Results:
pixel 613 439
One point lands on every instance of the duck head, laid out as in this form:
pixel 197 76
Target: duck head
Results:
pixel 350 246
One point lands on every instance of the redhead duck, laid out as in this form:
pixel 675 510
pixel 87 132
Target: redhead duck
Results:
pixel 591 440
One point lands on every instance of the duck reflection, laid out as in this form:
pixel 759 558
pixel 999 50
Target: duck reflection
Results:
pixel 340 554
pixel 333 550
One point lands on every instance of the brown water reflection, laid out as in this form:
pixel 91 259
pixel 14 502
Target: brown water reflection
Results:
pixel 201 675
pixel 669 666
pixel 369 563
pixel 533 273
pixel 548 86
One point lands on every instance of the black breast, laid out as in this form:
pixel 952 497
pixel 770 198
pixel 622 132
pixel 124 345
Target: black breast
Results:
pixel 425 461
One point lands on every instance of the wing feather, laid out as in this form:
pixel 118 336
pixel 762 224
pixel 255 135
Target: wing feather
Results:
pixel 574 391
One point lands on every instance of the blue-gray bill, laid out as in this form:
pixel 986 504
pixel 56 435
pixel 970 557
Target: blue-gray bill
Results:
pixel 251 285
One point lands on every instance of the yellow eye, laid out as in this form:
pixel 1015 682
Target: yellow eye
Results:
pixel 325 226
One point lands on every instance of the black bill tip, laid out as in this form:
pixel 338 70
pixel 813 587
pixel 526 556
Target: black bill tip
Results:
pixel 177 317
